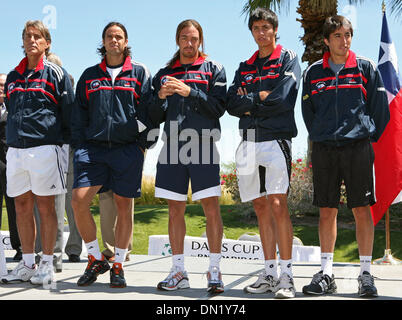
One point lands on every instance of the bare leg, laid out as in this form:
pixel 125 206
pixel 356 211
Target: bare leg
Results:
pixel 124 223
pixel 214 226
pixel 25 221
pixel 266 227
pixel 283 224
pixel 177 226
pixel 81 202
pixel 48 222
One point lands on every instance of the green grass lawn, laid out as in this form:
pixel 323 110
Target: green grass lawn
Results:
pixel 153 220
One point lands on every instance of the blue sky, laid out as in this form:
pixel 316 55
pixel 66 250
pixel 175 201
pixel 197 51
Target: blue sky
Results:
pixel 76 28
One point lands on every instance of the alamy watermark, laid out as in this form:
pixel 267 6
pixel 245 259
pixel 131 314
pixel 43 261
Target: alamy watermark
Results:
pixel 50 19
pixel 350 12
pixel 189 146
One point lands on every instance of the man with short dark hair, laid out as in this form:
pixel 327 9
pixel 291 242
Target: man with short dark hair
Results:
pixel 189 96
pixel 345 107
pixel 38 99
pixel 263 95
pixel 109 132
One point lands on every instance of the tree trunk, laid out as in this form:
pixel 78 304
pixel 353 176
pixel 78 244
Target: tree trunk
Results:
pixel 312 20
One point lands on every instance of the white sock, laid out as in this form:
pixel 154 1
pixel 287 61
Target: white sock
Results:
pixel 286 267
pixel 214 260
pixel 47 258
pixel 120 255
pixel 178 261
pixel 29 259
pixel 93 249
pixel 327 259
pixel 271 268
pixel 365 263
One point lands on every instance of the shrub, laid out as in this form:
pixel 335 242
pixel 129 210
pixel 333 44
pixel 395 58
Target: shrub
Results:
pixel 301 188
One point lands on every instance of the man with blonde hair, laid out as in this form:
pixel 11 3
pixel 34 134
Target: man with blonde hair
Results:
pixel 38 97
pixel 189 97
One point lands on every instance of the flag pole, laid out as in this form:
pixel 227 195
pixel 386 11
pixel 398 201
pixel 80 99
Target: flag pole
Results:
pixel 387 259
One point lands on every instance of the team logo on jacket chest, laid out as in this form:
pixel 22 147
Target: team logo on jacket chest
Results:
pixel 320 86
pixel 11 86
pixel 248 77
pixel 95 84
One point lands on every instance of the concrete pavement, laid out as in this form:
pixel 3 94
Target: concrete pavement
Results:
pixel 143 273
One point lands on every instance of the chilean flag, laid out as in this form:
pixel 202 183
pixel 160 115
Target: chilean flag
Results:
pixel 388 149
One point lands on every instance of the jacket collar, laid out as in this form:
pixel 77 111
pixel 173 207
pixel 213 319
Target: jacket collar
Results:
pixel 126 66
pixel 350 61
pixel 197 62
pixel 24 63
pixel 276 54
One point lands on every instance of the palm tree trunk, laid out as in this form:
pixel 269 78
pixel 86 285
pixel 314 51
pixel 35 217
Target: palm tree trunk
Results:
pixel 312 19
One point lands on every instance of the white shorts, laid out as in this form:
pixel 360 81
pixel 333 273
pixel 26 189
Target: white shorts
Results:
pixel 263 168
pixel 39 169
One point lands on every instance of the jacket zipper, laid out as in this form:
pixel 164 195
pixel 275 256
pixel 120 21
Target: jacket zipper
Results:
pixel 336 103
pixel 110 118
pixel 259 89
pixel 26 85
pixel 182 107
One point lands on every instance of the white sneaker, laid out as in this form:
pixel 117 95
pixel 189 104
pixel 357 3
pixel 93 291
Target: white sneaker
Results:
pixel 20 273
pixel 177 279
pixel 44 274
pixel 263 284
pixel 286 287
pixel 215 283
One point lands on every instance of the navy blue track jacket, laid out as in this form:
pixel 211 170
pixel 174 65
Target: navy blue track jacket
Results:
pixel 273 118
pixel 39 106
pixel 107 114
pixel 205 104
pixel 341 110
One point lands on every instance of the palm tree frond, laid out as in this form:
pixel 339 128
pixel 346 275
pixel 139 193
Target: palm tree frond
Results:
pixel 274 5
pixel 396 8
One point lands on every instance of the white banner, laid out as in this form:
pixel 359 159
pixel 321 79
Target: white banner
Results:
pixel 3 266
pixel 235 249
pixel 7 242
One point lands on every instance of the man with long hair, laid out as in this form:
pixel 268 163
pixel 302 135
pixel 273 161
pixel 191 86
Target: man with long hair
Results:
pixel 189 96
pixel 38 99
pixel 109 128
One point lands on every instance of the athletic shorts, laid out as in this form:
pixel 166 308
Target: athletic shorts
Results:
pixel 354 164
pixel 118 168
pixel 263 168
pixel 39 169
pixel 179 163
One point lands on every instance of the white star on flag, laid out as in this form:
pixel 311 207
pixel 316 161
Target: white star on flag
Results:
pixel 389 55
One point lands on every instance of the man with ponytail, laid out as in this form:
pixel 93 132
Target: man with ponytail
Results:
pixel 189 97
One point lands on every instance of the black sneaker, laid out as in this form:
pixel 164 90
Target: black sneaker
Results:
pixel 117 276
pixel 366 285
pixel 93 269
pixel 321 284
